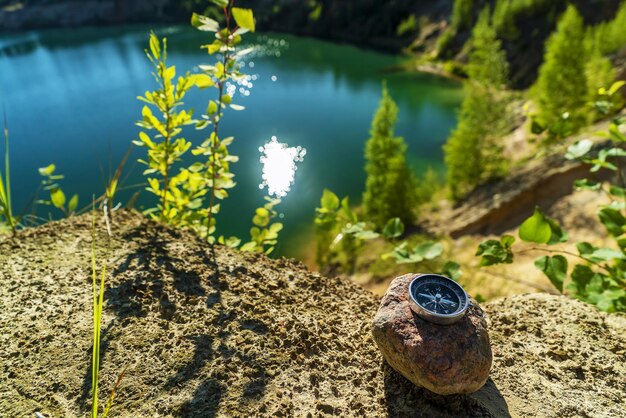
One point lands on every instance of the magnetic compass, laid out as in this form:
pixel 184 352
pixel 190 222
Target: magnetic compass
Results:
pixel 437 298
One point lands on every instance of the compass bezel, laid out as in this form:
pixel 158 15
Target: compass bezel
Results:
pixel 428 315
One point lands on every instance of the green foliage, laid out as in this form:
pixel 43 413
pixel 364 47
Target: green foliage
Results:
pixel 562 83
pixel 339 232
pixel 473 153
pixel 403 254
pixel 264 233
pixel 540 229
pixel 462 14
pixel 487 60
pixel 57 199
pixel 316 10
pixel 600 277
pixel 407 26
pixel 7 219
pixel 166 146
pixel 506 13
pixel 610 36
pixel 496 251
pixel 393 229
pixel 340 235
pixel 98 303
pixel 427 185
pixel 390 186
pixel 189 197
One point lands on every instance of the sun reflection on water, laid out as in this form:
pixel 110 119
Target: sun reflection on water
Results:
pixel 279 166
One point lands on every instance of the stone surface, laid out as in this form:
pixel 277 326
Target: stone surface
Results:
pixel 445 359
pixel 262 338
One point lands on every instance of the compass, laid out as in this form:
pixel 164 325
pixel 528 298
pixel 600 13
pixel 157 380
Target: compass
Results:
pixel 437 298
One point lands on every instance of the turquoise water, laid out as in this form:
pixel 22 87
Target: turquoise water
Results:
pixel 70 99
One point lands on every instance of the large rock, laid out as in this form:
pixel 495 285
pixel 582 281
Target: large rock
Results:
pixel 445 359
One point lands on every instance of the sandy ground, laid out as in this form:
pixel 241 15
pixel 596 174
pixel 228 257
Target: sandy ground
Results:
pixel 227 334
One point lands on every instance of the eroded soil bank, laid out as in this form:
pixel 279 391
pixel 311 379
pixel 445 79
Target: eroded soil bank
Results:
pixel 231 334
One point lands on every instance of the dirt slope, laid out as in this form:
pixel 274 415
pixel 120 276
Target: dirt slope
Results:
pixel 250 336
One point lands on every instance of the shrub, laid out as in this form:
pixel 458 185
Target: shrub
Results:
pixel 390 185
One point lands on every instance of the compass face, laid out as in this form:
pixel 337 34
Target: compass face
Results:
pixel 438 295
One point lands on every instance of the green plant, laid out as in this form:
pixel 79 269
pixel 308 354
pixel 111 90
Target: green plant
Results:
pixel 474 153
pixel 6 213
pixel 610 36
pixel 390 185
pixel 462 14
pixel 57 198
pixel 98 303
pixel 264 233
pixel 427 185
pixel 339 232
pixel 183 196
pixel 600 276
pixel 407 26
pixel 562 83
pixel 166 146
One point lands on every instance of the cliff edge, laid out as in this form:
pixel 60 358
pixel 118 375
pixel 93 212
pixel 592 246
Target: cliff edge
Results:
pixel 207 332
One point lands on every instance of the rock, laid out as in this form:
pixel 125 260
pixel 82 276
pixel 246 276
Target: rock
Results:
pixel 445 359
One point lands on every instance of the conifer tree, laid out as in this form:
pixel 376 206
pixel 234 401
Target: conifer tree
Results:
pixel 473 153
pixel 562 83
pixel 390 185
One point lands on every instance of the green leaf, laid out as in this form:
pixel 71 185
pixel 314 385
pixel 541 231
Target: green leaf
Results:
pixel 329 200
pixel 615 87
pixel 57 197
pixel 557 235
pixel 220 3
pixel 204 23
pixel 47 171
pixel 71 206
pixel 155 46
pixel 613 221
pixel 428 250
pixel 607 300
pixel 496 252
pixel 249 247
pixel 581 277
pixel 598 255
pixel 555 268
pixel 536 228
pixel 244 18
pixel 202 81
pixel 452 269
pixel 578 149
pixel 366 235
pixel 617 191
pixel 393 229
pixel 586 184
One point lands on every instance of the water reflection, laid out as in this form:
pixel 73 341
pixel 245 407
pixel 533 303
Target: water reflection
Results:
pixel 279 166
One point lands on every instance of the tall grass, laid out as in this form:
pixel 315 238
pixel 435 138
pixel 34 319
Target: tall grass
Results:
pixel 5 184
pixel 98 302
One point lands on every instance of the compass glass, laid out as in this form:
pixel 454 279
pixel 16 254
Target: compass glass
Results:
pixel 439 295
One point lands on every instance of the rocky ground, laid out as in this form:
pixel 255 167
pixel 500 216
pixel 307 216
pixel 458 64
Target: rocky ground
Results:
pixel 231 334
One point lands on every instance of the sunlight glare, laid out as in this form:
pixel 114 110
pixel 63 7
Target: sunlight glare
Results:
pixel 279 166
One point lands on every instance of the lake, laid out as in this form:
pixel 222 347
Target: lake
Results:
pixel 70 99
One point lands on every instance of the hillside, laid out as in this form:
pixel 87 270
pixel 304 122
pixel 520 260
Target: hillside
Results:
pixel 367 23
pixel 232 334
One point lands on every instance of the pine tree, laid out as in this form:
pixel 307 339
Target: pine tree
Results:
pixel 562 84
pixel 474 153
pixel 390 185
